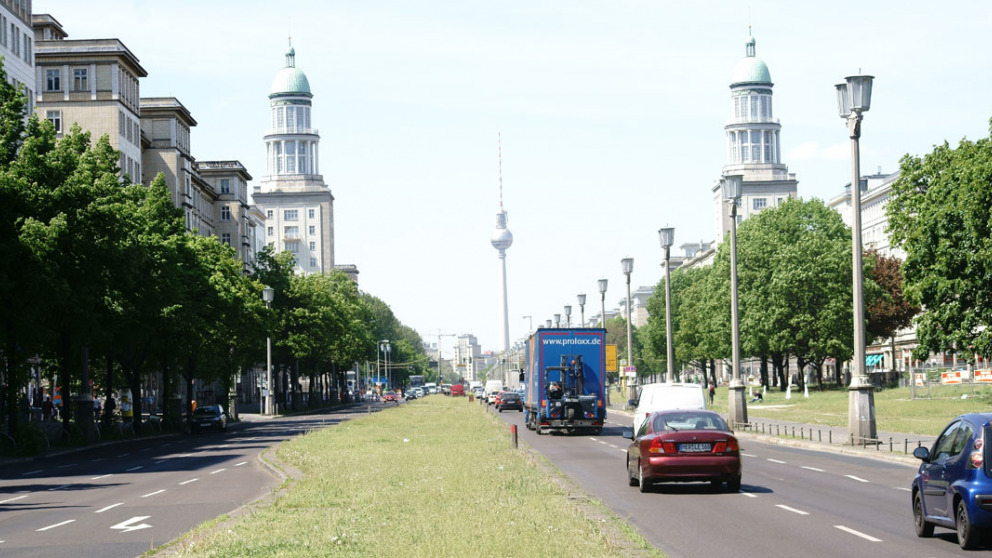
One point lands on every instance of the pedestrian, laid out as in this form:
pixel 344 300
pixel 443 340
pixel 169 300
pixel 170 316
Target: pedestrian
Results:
pixel 47 408
pixel 712 392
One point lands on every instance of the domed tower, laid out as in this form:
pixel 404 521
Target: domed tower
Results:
pixel 753 145
pixel 298 206
pixel 501 239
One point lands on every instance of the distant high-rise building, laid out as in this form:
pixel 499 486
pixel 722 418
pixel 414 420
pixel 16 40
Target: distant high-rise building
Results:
pixel 298 206
pixel 753 144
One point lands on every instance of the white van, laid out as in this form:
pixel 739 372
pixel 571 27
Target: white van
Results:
pixel 492 388
pixel 662 397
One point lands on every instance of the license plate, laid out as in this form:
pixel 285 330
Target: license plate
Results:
pixel 694 448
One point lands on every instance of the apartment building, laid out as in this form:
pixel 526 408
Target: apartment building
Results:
pixel 17 46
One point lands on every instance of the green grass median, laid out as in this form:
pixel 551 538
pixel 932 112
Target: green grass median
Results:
pixel 434 477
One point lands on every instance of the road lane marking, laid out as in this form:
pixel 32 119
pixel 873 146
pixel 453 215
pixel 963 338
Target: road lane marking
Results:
pixel 146 449
pixel 153 493
pixel 793 510
pixel 31 472
pixel 814 469
pixel 240 464
pixel 188 481
pixel 124 454
pixel 98 459
pixel 110 507
pixel 896 487
pixel 101 477
pixel 56 525
pixel 749 495
pixel 857 533
pixel 12 499
pixel 859 479
pixel 217 471
pixel 126 526
pixel 59 487
pixel 67 466
pixel 612 445
pixel 160 461
pixel 776 461
pixel 134 468
pixel 749 455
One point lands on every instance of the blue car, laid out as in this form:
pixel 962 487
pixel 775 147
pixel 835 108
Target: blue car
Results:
pixel 953 487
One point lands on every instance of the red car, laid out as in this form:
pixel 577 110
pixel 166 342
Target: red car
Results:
pixel 390 396
pixel 683 446
pixel 457 389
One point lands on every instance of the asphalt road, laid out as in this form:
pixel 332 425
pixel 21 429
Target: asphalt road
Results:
pixel 794 501
pixel 124 499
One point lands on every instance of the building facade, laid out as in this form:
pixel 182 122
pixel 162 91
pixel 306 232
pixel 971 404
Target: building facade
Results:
pixel 17 46
pixel 297 205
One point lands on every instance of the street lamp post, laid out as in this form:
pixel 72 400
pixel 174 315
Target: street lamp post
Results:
pixel 602 300
pixel 547 323
pixel 568 316
pixel 268 295
pixel 667 238
pixel 627 264
pixel 854 98
pixel 557 320
pixel 384 346
pixel 737 405
pixel 582 310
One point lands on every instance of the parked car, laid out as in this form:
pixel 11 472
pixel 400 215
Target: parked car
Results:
pixel 684 446
pixel 209 416
pixel 665 397
pixel 953 487
pixel 509 400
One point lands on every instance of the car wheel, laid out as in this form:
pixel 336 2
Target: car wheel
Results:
pixel 631 479
pixel 968 537
pixel 734 485
pixel 923 527
pixel 643 483
pixel 716 484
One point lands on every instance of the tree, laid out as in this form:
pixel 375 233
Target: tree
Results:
pixel 892 311
pixel 938 214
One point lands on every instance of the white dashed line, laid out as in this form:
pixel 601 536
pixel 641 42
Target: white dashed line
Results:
pixel 777 461
pixel 98 459
pixel 124 455
pixel 749 455
pixel 67 466
pixel 56 525
pixel 896 487
pixel 859 479
pixel 134 468
pixel 146 449
pixel 793 510
pixel 31 472
pixel 59 487
pixel 240 464
pixel 12 499
pixel 857 533
pixel 160 461
pixel 153 493
pixel 110 507
pixel 814 469
pixel 749 495
pixel 217 471
pixel 188 481
pixel 101 477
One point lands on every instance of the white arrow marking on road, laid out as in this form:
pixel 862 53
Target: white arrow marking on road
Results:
pixel 793 510
pixel 110 507
pixel 12 499
pixel 56 525
pixel 856 533
pixel 859 479
pixel 126 526
pixel 153 493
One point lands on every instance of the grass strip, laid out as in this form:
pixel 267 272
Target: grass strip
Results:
pixel 433 477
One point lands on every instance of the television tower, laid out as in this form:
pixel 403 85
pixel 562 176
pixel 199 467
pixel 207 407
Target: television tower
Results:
pixel 501 239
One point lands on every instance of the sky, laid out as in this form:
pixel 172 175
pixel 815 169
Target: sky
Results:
pixel 610 113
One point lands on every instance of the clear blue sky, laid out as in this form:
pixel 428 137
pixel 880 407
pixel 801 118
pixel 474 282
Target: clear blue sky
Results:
pixel 611 113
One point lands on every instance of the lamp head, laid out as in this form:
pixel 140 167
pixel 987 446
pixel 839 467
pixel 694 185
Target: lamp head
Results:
pixel 859 88
pixel 732 184
pixel 602 286
pixel 582 299
pixel 568 310
pixel 628 266
pixel 268 294
pixel 666 236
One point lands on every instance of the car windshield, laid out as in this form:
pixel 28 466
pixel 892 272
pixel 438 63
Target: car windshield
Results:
pixel 507 396
pixel 206 411
pixel 689 420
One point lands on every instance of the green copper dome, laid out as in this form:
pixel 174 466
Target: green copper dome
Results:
pixel 290 80
pixel 750 69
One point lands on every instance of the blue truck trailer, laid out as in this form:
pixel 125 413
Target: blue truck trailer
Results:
pixel 565 380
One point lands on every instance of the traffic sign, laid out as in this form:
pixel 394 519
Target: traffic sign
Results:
pixel 611 358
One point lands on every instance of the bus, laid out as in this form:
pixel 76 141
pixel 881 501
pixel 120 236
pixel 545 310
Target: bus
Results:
pixel 416 381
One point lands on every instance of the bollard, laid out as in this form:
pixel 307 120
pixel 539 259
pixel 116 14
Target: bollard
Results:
pixel 830 436
pixel 793 431
pixel 819 435
pixel 905 446
pixel 890 444
pixel 802 434
pixel 513 433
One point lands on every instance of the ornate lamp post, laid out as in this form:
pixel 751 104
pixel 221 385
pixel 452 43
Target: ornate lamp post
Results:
pixel 557 320
pixel 568 316
pixel 667 238
pixel 854 98
pixel 602 300
pixel 268 295
pixel 737 406
pixel 627 265
pixel 582 310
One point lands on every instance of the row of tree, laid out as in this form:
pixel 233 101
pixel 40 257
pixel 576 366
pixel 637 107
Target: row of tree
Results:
pixel 101 285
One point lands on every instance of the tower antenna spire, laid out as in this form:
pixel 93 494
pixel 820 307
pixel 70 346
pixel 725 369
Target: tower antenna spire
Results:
pixel 499 155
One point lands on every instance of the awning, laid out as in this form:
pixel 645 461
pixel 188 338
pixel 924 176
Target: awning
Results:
pixel 873 360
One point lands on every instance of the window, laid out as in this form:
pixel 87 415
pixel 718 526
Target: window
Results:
pixel 268 214
pixel 292 232
pixel 754 106
pixel 225 185
pixel 312 229
pixel 291 157
pixel 313 246
pixel 755 146
pixel 79 82
pixel 291 215
pixel 225 239
pixel 313 262
pixel 225 213
pixel 55 117
pixel 53 80
pixel 759 203
pixel 293 247
pixel 311 213
pixel 270 231
pixel 768 147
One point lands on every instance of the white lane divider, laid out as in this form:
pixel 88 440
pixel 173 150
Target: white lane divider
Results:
pixel 160 461
pixel 896 487
pixel 859 479
pixel 749 495
pixel 32 472
pixel 59 487
pixel 217 471
pixel 187 482
pixel 56 525
pixel 857 533
pixel 134 468
pixel 101 476
pixel 110 507
pixel 749 455
pixel 776 461
pixel 153 493
pixel 13 499
pixel 240 464
pixel 67 466
pixel 793 510
pixel 814 469
pixel 124 454
pixel 126 526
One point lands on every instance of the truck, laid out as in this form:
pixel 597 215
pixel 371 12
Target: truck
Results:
pixel 492 388
pixel 565 378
